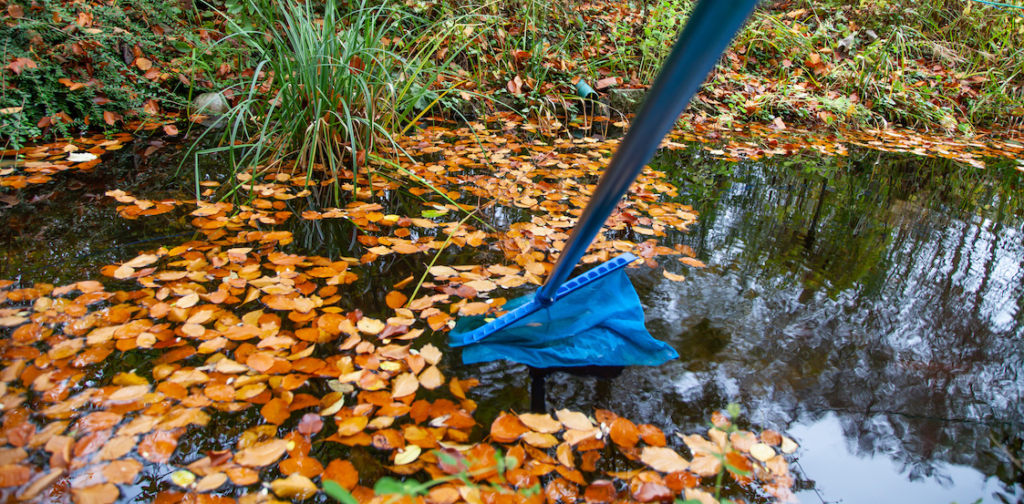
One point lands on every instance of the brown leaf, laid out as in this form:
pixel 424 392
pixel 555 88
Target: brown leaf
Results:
pixel 262 454
pixel 404 384
pixel 600 491
pixel 276 411
pixel 705 465
pixel 665 460
pixel 507 428
pixel 306 466
pixel 624 433
pixel 565 456
pixel 12 475
pixel 431 378
pixel 143 64
pixel 122 471
pixel 395 300
pixel 42 483
pixel 157 446
pixel 574 420
pixel 652 435
pixel 106 493
pixel 653 492
pixel 343 473
pixel 295 486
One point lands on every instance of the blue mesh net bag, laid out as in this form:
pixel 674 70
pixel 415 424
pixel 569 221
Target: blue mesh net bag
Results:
pixel 599 324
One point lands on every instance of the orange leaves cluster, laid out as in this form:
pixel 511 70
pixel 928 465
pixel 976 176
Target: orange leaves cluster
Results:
pixel 570 464
pixel 40 162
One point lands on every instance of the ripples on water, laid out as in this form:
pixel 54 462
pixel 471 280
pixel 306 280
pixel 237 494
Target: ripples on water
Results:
pixel 870 306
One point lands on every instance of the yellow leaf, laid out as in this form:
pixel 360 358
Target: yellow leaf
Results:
pixel 407 455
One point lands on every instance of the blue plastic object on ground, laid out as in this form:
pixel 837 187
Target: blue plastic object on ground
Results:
pixel 597 319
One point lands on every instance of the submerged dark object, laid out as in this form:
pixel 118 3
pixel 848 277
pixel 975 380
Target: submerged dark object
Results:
pixel 596 318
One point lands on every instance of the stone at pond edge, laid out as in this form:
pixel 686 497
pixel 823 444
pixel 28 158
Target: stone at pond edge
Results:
pixel 210 103
pixel 626 101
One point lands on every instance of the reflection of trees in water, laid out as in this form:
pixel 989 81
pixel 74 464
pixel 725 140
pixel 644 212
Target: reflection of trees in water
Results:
pixel 885 288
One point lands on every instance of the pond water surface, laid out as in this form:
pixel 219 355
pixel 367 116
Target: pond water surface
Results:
pixel 868 306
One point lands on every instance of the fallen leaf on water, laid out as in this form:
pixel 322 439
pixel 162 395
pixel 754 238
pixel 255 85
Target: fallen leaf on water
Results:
pixel 665 460
pixel 431 378
pixel 211 482
pixel 262 454
pixel 672 276
pixel 574 420
pixel 762 452
pixel 183 478
pixel 541 423
pixel 407 455
pixel 395 299
pixel 624 433
pixel 106 493
pixel 295 486
pixel 42 483
pixel 343 473
pixel 689 261
pixel 12 475
pixel 507 428
pixel 404 384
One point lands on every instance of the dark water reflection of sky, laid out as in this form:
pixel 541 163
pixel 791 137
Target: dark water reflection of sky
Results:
pixel 876 317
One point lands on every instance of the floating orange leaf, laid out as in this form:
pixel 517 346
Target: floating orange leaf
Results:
pixel 276 411
pixel 261 455
pixel 507 428
pixel 306 466
pixel 624 433
pixel 343 473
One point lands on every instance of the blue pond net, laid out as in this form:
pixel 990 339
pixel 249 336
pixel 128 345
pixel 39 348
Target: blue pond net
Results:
pixel 597 324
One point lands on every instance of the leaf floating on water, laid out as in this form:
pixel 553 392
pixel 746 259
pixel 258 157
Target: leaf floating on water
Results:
pixel 396 300
pixel 431 378
pixel 672 276
pixel 262 454
pixel 211 482
pixel 689 261
pixel 507 428
pixel 541 423
pixel 574 420
pixel 788 445
pixel 665 460
pixel 295 486
pixel 106 493
pixel 762 452
pixel 407 455
pixel 404 384
pixel 12 475
pixel 624 433
pixel 343 473
pixel 183 478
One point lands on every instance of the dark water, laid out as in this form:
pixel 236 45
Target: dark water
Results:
pixel 869 306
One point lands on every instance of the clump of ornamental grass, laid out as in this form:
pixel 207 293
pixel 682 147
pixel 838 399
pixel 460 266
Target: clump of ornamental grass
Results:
pixel 329 87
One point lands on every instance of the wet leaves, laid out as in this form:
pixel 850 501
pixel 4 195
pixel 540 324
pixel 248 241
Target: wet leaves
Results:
pixel 235 321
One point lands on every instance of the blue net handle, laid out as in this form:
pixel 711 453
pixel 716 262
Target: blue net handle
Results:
pixel 706 35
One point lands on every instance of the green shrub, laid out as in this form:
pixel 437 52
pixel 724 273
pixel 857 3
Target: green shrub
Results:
pixel 65 63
